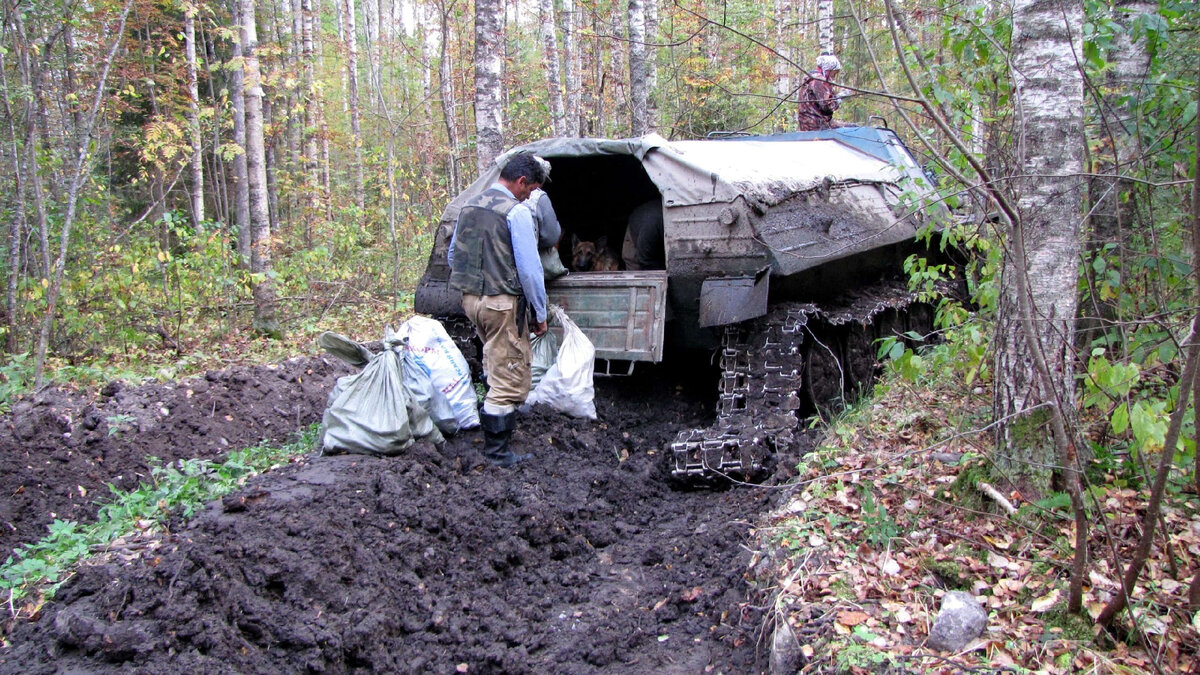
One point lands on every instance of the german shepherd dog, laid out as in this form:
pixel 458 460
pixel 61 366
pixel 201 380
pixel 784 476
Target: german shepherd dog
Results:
pixel 589 256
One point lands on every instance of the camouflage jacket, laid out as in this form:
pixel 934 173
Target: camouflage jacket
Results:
pixel 482 261
pixel 817 105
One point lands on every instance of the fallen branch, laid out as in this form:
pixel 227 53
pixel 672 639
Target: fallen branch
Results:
pixel 995 495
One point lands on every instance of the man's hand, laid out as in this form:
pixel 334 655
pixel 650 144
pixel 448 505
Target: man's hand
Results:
pixel 540 328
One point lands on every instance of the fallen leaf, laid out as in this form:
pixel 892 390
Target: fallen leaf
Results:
pixel 851 618
pixel 691 594
pixel 1045 602
pixel 997 560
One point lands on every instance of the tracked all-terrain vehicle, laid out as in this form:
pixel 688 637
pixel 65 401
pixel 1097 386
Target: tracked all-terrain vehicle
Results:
pixel 780 254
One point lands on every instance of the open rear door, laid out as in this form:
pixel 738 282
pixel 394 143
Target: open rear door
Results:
pixel 622 313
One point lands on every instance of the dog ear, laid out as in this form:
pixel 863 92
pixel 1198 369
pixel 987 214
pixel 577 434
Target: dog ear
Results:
pixel 602 242
pixel 574 240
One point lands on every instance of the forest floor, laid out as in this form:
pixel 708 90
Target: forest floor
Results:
pixel 581 560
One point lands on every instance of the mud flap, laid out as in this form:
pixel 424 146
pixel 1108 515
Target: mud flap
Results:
pixel 726 300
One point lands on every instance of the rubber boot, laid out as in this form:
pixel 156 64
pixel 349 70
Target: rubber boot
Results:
pixel 497 429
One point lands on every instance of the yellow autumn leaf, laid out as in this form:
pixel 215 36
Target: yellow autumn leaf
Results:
pixel 1045 602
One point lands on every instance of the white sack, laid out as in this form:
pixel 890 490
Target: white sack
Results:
pixel 567 386
pixel 437 374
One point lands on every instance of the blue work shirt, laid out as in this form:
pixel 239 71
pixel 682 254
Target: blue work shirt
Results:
pixel 525 252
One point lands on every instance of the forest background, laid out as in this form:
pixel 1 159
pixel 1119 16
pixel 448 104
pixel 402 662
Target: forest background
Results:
pixel 189 184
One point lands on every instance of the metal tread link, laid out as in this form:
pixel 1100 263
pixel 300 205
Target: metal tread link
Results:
pixel 762 363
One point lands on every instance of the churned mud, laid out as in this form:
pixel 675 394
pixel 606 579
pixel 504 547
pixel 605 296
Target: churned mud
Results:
pixel 582 560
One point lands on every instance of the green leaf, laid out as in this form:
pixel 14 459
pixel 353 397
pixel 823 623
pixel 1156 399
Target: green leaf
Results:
pixel 1120 419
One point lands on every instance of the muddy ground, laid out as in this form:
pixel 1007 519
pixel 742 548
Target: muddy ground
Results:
pixel 582 560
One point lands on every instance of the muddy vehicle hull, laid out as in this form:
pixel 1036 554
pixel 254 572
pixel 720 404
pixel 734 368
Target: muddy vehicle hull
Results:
pixel 747 225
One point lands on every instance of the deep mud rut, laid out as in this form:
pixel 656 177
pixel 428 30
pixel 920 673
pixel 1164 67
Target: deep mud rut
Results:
pixel 581 560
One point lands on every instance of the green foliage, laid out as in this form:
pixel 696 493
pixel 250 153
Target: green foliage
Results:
pixel 877 523
pixel 861 657
pixel 949 571
pixel 16 376
pixel 172 491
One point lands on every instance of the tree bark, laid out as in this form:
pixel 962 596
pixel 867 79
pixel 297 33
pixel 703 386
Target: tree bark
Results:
pixel 554 84
pixel 17 225
pixel 196 160
pixel 639 108
pixel 241 176
pixel 489 113
pixel 652 64
pixel 312 114
pixel 265 321
pixel 1034 394
pixel 446 89
pixel 351 35
pixel 79 174
pixel 825 26
pixel 29 77
pixel 568 20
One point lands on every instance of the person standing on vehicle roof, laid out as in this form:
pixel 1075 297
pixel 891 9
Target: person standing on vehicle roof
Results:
pixel 494 262
pixel 818 101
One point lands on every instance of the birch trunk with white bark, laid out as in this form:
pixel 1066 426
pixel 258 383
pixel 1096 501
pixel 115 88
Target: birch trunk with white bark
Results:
pixel 196 160
pixel 639 105
pixel 1036 320
pixel 550 58
pixel 351 37
pixel 489 113
pixel 263 289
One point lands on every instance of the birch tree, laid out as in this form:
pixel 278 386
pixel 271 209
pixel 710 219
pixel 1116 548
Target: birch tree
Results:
pixel 196 160
pixel 446 89
pixel 1034 365
pixel 241 174
pixel 825 26
pixel 78 176
pixel 489 113
pixel 567 23
pixel 351 38
pixel 554 83
pixel 639 113
pixel 263 291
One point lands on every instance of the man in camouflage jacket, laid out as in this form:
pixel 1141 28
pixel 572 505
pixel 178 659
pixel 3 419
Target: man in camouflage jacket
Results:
pixel 818 101
pixel 494 263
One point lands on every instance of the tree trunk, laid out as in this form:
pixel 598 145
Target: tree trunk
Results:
pixel 554 85
pixel 17 226
pixel 312 115
pixel 351 35
pixel 568 20
pixel 78 176
pixel 489 113
pixel 217 173
pixel 825 26
pixel 27 67
pixel 446 88
pixel 652 65
pixel 241 176
pixel 256 167
pixel 1113 207
pixel 1049 90
pixel 197 166
pixel 1035 394
pixel 639 105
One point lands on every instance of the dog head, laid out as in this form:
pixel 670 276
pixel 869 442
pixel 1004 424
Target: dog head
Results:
pixel 583 254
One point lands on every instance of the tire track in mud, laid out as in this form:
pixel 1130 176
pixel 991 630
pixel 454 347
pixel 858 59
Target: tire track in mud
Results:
pixel 582 560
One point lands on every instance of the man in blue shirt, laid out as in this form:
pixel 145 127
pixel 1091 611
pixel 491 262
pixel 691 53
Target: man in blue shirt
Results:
pixel 494 262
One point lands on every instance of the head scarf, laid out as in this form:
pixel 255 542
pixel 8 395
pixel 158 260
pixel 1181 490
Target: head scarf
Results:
pixel 827 63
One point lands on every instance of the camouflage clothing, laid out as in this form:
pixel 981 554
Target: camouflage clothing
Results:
pixel 817 105
pixel 482 261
